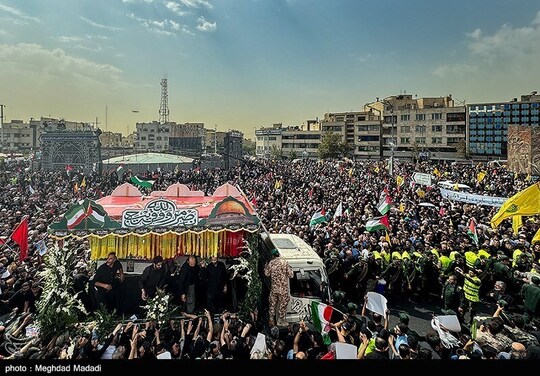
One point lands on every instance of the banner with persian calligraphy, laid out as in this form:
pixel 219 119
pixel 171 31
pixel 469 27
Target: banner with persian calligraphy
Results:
pixel 160 213
pixel 472 198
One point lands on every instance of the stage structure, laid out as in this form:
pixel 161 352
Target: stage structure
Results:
pixel 80 149
pixel 170 223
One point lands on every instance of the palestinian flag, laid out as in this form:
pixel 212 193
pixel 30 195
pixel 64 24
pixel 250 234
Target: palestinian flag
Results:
pixel 119 169
pixel 96 214
pixel 320 315
pixel 142 183
pixel 471 231
pixel 385 202
pixel 317 218
pixel 74 216
pixel 378 223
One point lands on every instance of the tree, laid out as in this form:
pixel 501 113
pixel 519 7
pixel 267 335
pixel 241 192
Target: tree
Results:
pixel 276 152
pixel 248 148
pixel 293 154
pixel 463 150
pixel 331 146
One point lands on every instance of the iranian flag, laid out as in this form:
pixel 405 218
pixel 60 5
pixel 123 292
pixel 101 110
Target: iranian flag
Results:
pixel 320 315
pixel 378 223
pixel 74 216
pixel 142 183
pixel 317 218
pixel 119 168
pixel 384 202
pixel 96 214
pixel 471 231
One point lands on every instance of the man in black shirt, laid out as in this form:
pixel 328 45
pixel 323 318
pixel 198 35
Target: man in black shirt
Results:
pixel 106 283
pixel 152 278
pixel 215 275
pixel 188 280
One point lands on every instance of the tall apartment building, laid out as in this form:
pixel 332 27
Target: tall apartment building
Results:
pixel 188 139
pixel 361 130
pixel 111 139
pixel 489 122
pixel 152 136
pixel 17 136
pixel 232 148
pixel 431 128
pixel 268 139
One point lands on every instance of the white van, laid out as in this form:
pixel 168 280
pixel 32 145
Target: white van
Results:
pixel 310 280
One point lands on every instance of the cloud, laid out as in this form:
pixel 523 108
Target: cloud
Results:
pixel 175 8
pixel 205 25
pixel 33 61
pixel 18 13
pixel 158 27
pixel 508 49
pixel 69 39
pixel 179 27
pixel 507 42
pixel 453 70
pixel 95 24
pixel 196 3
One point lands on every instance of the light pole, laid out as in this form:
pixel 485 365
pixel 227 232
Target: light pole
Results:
pixel 393 141
pixel 2 126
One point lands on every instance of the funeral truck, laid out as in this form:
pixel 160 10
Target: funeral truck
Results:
pixel 310 280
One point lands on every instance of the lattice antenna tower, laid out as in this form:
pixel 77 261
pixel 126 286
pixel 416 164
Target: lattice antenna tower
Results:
pixel 164 106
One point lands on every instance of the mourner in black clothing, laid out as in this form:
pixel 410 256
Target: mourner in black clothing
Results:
pixel 188 280
pixel 153 278
pixel 215 276
pixel 107 283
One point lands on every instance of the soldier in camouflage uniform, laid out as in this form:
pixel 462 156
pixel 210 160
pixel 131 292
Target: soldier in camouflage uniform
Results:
pixel 279 272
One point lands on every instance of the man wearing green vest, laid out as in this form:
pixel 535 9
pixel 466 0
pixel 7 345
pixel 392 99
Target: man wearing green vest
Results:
pixel 471 289
pixel 531 298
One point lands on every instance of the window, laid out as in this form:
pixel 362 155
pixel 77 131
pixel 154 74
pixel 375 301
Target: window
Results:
pixel 368 138
pixel 420 140
pixel 361 118
pixel 437 116
pixel 453 140
pixel 420 128
pixel 272 138
pixel 143 138
pixel 405 129
pixel 420 116
pixel 405 140
pixel 455 116
pixel 405 117
pixel 436 140
pixel 436 128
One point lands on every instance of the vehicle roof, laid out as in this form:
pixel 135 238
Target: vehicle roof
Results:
pixel 292 247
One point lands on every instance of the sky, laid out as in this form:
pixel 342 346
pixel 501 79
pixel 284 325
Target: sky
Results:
pixel 244 64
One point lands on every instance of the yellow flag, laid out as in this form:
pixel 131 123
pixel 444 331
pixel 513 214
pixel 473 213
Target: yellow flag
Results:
pixel 515 175
pixel 399 180
pixel 528 178
pixel 350 172
pixel 536 237
pixel 83 182
pixel 517 222
pixel 456 187
pixel 480 176
pixel 402 207
pixel 420 193
pixel 437 172
pixel 387 238
pixel 278 184
pixel 75 188
pixel 376 169
pixel 526 202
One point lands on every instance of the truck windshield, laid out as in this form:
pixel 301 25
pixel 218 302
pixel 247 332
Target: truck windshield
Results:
pixel 306 285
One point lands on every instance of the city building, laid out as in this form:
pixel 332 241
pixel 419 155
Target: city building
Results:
pixel 17 136
pixel 233 152
pixel 488 124
pixel 421 128
pixel 188 139
pixel 152 136
pixel 268 139
pixel 111 139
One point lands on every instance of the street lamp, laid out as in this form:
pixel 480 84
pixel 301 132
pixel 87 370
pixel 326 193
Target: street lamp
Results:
pixel 393 141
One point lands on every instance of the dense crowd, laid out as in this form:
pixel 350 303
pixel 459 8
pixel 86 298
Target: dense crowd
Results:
pixel 426 258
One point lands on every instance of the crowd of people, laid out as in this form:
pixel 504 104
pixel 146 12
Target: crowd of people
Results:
pixel 427 258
